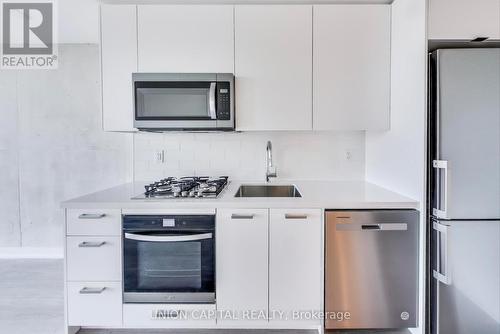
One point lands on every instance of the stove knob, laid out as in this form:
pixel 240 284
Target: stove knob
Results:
pixel 176 194
pixel 199 193
pixel 184 193
pixel 192 193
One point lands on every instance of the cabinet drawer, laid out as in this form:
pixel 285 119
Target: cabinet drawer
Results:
pixel 93 222
pixel 93 258
pixel 94 304
pixel 169 315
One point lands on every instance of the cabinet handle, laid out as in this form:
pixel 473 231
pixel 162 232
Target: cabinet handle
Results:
pixel 291 216
pixel 92 216
pixel 89 291
pixel 236 216
pixel 89 244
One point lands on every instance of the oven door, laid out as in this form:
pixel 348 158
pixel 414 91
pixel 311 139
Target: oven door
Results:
pixel 169 267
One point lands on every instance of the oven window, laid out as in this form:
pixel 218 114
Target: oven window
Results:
pixel 175 265
pixel 159 266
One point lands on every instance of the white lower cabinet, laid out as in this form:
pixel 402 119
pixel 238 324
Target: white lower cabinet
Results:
pixel 242 266
pixel 93 258
pixel 295 266
pixel 169 315
pixel 93 222
pixel 94 304
pixel 270 261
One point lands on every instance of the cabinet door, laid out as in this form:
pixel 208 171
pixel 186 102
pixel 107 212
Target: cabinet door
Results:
pixel 352 67
pixel 295 265
pixel 273 54
pixel 242 263
pixel 118 62
pixel 180 38
pixel 464 19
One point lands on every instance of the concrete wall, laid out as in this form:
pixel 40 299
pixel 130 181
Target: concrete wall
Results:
pixel 52 146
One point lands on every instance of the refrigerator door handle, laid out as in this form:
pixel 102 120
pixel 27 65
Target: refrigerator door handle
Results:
pixel 441 212
pixel 441 273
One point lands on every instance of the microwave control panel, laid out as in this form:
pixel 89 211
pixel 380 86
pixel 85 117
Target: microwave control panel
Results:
pixel 223 100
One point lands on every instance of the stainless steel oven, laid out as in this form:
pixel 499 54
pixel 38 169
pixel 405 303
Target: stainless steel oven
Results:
pixel 183 101
pixel 169 259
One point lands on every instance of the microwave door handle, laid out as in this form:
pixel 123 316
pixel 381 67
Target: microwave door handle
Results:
pixel 168 238
pixel 211 101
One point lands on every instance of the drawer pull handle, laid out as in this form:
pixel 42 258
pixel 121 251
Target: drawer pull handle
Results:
pixel 89 244
pixel 236 216
pixel 290 216
pixel 92 216
pixel 89 291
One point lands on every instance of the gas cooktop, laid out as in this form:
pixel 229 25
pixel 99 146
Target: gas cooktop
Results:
pixel 185 187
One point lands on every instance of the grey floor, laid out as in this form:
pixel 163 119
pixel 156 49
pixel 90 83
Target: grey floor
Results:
pixel 31 302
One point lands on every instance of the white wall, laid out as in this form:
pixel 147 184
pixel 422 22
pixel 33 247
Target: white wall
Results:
pixel 396 159
pixel 297 155
pixel 52 146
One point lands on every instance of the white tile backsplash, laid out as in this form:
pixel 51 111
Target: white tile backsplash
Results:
pixel 297 155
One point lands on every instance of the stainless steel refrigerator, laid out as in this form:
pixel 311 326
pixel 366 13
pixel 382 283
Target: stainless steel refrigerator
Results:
pixel 464 191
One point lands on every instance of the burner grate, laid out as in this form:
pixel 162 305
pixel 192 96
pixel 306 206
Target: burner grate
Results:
pixel 186 187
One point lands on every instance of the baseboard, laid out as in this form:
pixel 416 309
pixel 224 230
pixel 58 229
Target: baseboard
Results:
pixel 31 253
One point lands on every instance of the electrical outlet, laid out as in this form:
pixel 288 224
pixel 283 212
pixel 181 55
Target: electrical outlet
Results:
pixel 160 156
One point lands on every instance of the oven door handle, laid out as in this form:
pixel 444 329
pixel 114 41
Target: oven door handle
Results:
pixel 168 238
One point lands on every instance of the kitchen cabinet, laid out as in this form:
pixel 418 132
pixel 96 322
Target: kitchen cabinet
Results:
pixel 464 19
pixel 93 268
pixel 273 53
pixel 118 62
pixel 94 304
pixel 270 261
pixel 351 76
pixel 93 258
pixel 94 222
pixel 180 38
pixel 295 263
pixel 242 263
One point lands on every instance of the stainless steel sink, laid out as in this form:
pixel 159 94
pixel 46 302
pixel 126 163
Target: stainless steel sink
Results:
pixel 267 191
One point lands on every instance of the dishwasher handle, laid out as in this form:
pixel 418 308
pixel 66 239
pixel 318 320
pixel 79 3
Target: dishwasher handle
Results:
pixel 371 227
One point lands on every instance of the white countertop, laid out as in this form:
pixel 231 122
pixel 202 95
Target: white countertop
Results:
pixel 315 194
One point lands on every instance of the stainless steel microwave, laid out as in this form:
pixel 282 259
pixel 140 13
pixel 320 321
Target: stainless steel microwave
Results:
pixel 183 101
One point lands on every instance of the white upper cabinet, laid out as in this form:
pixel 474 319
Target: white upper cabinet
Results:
pixel 273 53
pixel 180 38
pixel 118 62
pixel 352 67
pixel 464 19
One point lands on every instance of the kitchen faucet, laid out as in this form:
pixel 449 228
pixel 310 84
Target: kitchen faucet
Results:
pixel 270 168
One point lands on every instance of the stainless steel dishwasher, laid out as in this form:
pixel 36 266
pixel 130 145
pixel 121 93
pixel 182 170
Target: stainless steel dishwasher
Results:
pixel 371 269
